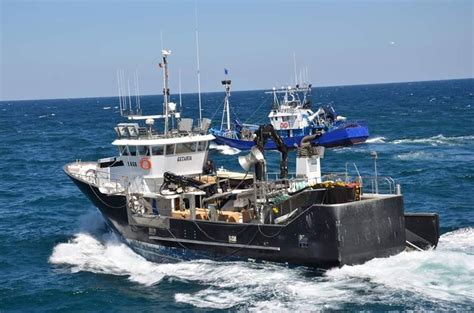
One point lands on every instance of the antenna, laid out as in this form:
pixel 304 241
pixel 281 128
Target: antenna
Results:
pixel 122 87
pixel 294 65
pixel 129 98
pixel 198 67
pixel 180 100
pixel 166 91
pixel 137 96
pixel 119 93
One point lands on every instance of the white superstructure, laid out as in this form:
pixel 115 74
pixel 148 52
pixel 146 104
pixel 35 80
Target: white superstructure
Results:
pixel 145 154
pixel 291 113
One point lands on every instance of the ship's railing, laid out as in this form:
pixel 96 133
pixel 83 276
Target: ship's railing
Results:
pixel 276 176
pixel 370 184
pixel 349 123
pixel 290 109
pixel 99 178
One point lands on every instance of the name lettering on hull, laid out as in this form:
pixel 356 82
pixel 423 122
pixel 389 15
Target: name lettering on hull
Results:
pixel 185 158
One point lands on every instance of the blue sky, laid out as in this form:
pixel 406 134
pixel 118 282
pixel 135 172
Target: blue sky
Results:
pixel 69 49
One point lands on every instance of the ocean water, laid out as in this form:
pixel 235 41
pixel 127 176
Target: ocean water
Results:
pixel 57 255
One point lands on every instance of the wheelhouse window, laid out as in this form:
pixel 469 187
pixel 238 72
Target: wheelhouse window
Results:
pixel 185 147
pixel 157 150
pixel 143 150
pixel 202 145
pixel 132 150
pixel 123 150
pixel 169 149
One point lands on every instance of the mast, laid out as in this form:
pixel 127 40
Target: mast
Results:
pixel 226 84
pixel 198 67
pixel 166 90
pixel 276 103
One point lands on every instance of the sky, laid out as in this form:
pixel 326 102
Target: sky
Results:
pixel 72 49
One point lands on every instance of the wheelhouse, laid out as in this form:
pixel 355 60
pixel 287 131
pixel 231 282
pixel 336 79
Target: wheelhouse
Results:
pixel 152 157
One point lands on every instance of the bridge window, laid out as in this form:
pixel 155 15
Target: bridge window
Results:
pixel 202 145
pixel 143 150
pixel 169 149
pixel 132 150
pixel 123 150
pixel 185 147
pixel 157 150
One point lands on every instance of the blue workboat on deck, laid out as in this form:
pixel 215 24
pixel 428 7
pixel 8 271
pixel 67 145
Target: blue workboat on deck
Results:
pixel 292 117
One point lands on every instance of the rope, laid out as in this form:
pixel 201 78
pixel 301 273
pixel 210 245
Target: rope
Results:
pixel 98 197
pixel 251 115
pixel 269 236
pixel 217 110
pixel 239 249
pixel 240 183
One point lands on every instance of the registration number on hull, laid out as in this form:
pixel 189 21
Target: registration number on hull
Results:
pixel 185 158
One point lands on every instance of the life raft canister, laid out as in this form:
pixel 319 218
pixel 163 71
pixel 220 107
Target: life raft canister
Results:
pixel 145 163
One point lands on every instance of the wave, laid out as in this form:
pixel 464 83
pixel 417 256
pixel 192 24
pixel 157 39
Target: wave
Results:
pixel 224 149
pixel 440 275
pixel 379 139
pixel 444 276
pixel 46 115
pixel 437 140
pixel 415 155
pixel 106 108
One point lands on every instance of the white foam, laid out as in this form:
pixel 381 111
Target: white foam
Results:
pixel 224 149
pixel 458 240
pixel 376 140
pixel 415 155
pixel 211 298
pixel 106 108
pixel 437 140
pixel 445 274
pixel 106 256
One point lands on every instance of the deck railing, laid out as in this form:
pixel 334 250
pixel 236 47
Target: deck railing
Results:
pixel 272 185
pixel 370 184
pixel 98 178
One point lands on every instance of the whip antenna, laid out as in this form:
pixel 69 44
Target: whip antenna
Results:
pixel 198 67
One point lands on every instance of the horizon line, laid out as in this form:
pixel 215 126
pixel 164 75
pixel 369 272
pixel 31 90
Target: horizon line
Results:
pixel 245 90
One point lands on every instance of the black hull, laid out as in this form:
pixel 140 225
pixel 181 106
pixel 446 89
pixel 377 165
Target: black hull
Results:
pixel 320 236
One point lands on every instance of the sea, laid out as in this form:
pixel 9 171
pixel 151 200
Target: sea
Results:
pixel 57 255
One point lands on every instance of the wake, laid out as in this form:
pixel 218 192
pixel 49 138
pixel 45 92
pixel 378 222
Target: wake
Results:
pixel 444 276
pixel 224 149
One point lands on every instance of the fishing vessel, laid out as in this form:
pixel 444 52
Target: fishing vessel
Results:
pixel 293 119
pixel 157 197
